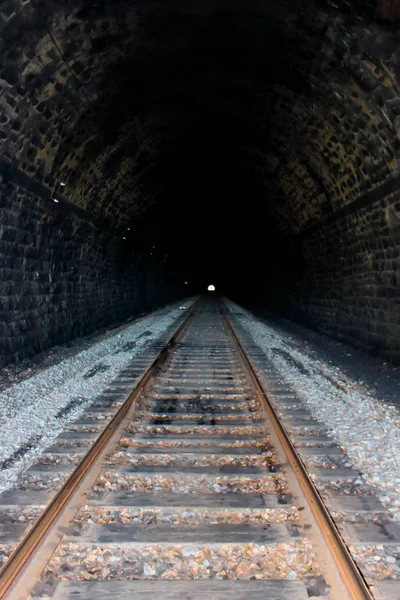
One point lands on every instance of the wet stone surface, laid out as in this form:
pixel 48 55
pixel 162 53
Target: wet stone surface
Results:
pixel 5 552
pixel 165 443
pixel 380 562
pixel 20 515
pixel 330 462
pixel 86 428
pixel 356 488
pixel 284 561
pixel 203 430
pixel 189 484
pixel 206 418
pixel 188 516
pixel 51 482
pixel 63 459
pixel 262 460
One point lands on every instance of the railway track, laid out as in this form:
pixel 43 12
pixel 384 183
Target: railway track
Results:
pixel 193 489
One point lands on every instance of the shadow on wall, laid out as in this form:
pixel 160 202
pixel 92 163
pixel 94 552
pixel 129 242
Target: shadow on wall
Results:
pixel 345 279
pixel 63 277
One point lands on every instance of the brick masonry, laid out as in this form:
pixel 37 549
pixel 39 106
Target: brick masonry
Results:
pixel 333 166
pixel 347 284
pixel 112 97
pixel 65 269
pixel 62 277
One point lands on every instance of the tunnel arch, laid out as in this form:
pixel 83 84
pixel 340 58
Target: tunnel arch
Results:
pixel 274 127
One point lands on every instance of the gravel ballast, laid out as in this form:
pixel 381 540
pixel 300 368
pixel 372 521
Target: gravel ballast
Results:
pixel 35 410
pixel 365 426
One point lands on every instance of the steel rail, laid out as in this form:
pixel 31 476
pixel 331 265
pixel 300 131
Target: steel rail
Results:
pixel 25 550
pixel 346 568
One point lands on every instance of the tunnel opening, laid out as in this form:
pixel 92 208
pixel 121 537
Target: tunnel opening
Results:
pixel 128 129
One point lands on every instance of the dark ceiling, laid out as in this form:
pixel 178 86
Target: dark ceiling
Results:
pixel 212 129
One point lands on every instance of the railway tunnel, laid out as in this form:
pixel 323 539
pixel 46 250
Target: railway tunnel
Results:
pixel 253 146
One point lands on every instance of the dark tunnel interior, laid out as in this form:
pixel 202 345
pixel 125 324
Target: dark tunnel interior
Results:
pixel 250 145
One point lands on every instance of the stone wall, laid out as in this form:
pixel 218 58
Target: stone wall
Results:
pixel 62 276
pixel 119 109
pixel 332 173
pixel 348 285
pixel 336 137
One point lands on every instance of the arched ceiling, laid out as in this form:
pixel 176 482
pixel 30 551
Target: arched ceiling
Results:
pixel 285 109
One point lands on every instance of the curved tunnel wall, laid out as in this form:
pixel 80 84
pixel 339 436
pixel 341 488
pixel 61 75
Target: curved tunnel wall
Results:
pixel 64 275
pixel 284 116
pixel 347 282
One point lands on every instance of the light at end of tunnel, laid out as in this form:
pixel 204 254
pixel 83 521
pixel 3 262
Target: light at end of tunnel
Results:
pixel 55 200
pixel 186 282
pixel 211 288
pixel 128 228
pixel 124 238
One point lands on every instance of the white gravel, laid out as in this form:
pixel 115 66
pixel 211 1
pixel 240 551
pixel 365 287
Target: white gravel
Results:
pixel 363 424
pixel 28 409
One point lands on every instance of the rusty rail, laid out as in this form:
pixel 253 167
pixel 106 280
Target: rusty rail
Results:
pixel 343 567
pixel 344 574
pixel 28 546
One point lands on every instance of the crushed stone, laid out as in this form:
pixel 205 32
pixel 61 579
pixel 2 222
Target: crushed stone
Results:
pixel 36 408
pixel 364 425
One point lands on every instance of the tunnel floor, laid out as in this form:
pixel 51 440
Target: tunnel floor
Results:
pixel 333 378
pixel 338 407
pixel 353 367
pixel 42 396
pixel 355 395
